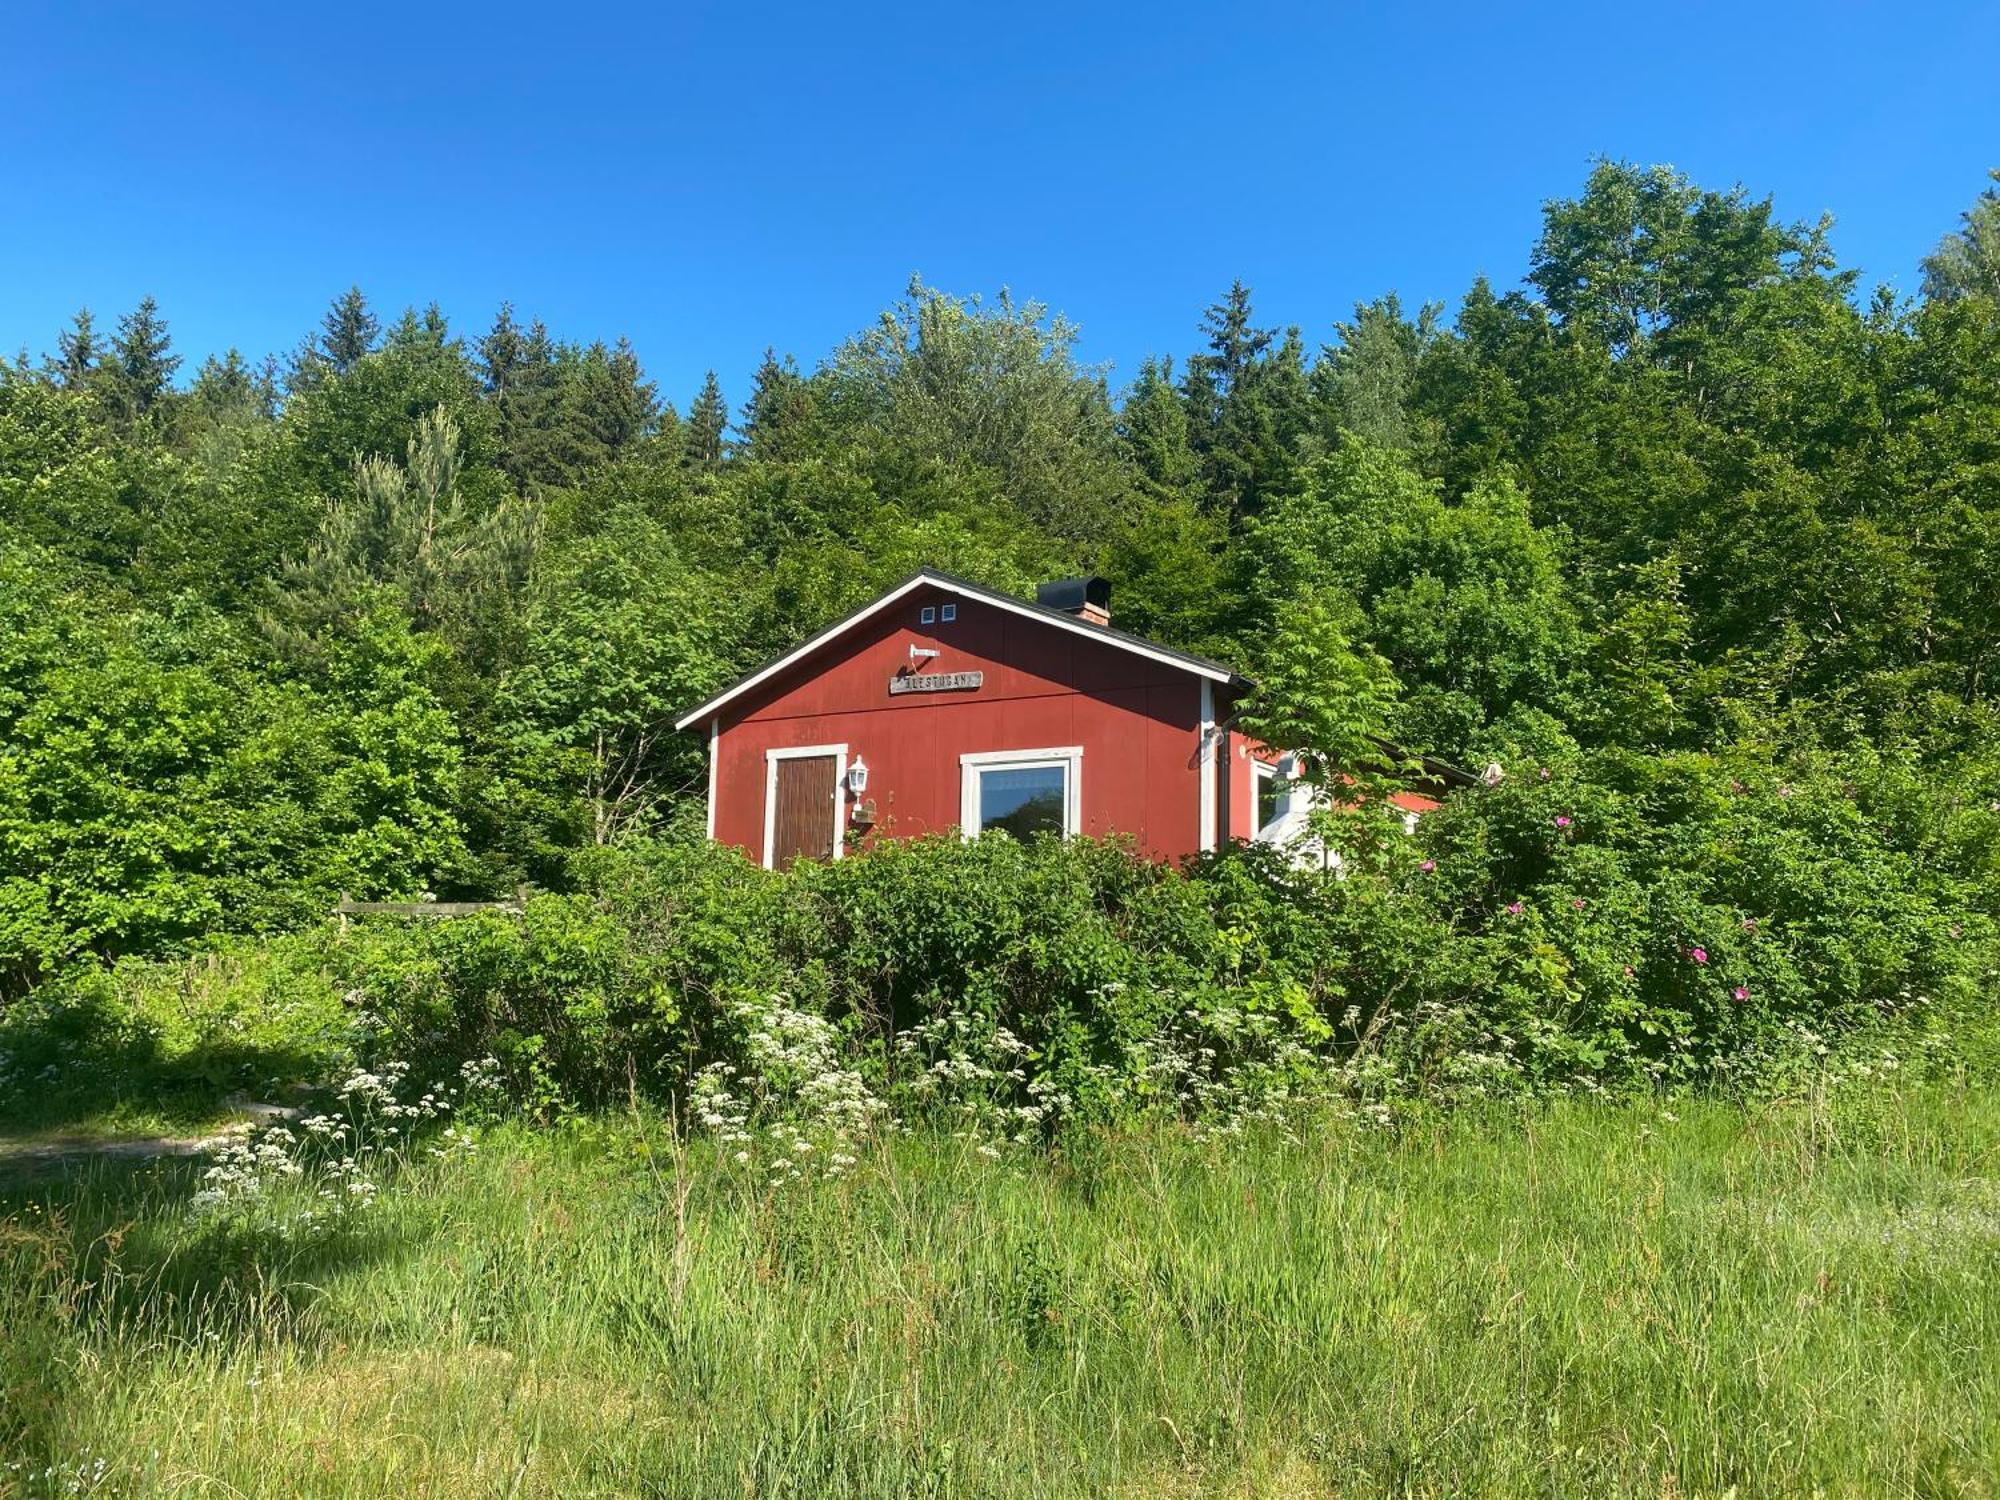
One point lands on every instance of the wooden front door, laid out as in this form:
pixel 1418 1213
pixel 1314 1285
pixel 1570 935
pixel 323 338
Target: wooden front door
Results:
pixel 803 808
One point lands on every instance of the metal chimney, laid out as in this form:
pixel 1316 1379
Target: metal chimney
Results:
pixel 1089 599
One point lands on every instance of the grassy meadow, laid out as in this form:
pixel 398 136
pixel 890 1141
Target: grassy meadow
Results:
pixel 1563 1299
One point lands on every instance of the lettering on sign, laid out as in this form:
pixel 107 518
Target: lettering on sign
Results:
pixel 935 682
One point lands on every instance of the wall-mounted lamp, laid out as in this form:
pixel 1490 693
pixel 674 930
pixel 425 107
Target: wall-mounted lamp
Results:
pixel 857 776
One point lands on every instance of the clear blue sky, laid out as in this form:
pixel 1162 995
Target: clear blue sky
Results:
pixel 707 179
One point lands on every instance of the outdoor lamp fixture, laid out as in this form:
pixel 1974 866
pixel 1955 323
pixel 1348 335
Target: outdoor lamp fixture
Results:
pixel 857 776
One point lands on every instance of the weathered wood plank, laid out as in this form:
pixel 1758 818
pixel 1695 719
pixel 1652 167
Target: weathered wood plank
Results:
pixel 422 908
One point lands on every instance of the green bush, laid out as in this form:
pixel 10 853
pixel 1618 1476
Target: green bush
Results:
pixel 164 1040
pixel 1598 926
pixel 1591 923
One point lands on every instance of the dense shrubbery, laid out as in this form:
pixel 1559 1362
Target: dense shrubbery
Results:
pixel 1602 925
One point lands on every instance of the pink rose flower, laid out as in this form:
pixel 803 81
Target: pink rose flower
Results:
pixel 1428 865
pixel 1562 822
pixel 1699 955
pixel 1576 902
pixel 1513 908
pixel 1742 992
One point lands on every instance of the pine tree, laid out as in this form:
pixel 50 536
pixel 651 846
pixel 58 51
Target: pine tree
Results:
pixel 458 566
pixel 142 366
pixel 707 419
pixel 350 331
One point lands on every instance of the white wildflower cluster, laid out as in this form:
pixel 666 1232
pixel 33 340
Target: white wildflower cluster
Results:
pixel 1223 1065
pixel 83 1476
pixel 379 1094
pixel 246 1166
pixel 794 1107
pixel 974 1071
pixel 1806 1061
pixel 340 1156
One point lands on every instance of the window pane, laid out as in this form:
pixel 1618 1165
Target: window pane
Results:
pixel 1270 797
pixel 1023 800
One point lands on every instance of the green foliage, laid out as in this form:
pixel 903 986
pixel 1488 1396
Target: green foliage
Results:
pixel 160 783
pixel 413 534
pixel 350 331
pixel 1467 602
pixel 945 390
pixel 1966 262
pixel 1319 693
pixel 165 1043
pixel 1610 927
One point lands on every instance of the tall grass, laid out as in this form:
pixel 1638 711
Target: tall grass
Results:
pixel 1570 1299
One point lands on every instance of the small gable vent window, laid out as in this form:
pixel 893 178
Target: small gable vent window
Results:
pixel 947 612
pixel 927 615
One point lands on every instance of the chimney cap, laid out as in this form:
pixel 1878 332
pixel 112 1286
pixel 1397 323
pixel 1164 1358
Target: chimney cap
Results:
pixel 1075 596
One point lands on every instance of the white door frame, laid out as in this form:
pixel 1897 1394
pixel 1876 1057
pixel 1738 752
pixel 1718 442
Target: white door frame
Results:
pixel 804 752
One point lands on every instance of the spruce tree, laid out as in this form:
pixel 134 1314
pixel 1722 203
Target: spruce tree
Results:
pixel 706 421
pixel 78 354
pixel 620 404
pixel 1248 406
pixel 350 331
pixel 142 364
pixel 502 353
pixel 1234 346
pixel 1154 424
pixel 780 405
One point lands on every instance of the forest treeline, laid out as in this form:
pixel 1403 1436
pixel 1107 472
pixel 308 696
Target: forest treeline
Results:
pixel 412 607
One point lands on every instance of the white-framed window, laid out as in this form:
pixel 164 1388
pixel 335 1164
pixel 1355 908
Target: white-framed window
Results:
pixel 1273 787
pixel 1022 792
pixel 947 612
pixel 927 615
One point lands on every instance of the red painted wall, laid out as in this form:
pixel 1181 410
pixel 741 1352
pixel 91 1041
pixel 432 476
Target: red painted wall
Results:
pixel 1045 687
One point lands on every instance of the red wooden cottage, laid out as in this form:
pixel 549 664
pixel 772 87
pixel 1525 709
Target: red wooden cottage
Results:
pixel 946 705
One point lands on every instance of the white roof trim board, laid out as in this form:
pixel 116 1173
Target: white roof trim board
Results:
pixel 1199 666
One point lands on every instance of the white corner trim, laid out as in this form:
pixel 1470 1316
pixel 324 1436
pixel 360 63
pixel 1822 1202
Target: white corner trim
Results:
pixel 1208 833
pixel 963 591
pixel 714 757
pixel 970 764
pixel 804 752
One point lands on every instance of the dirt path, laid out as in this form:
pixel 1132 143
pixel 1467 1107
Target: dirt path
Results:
pixel 56 1149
